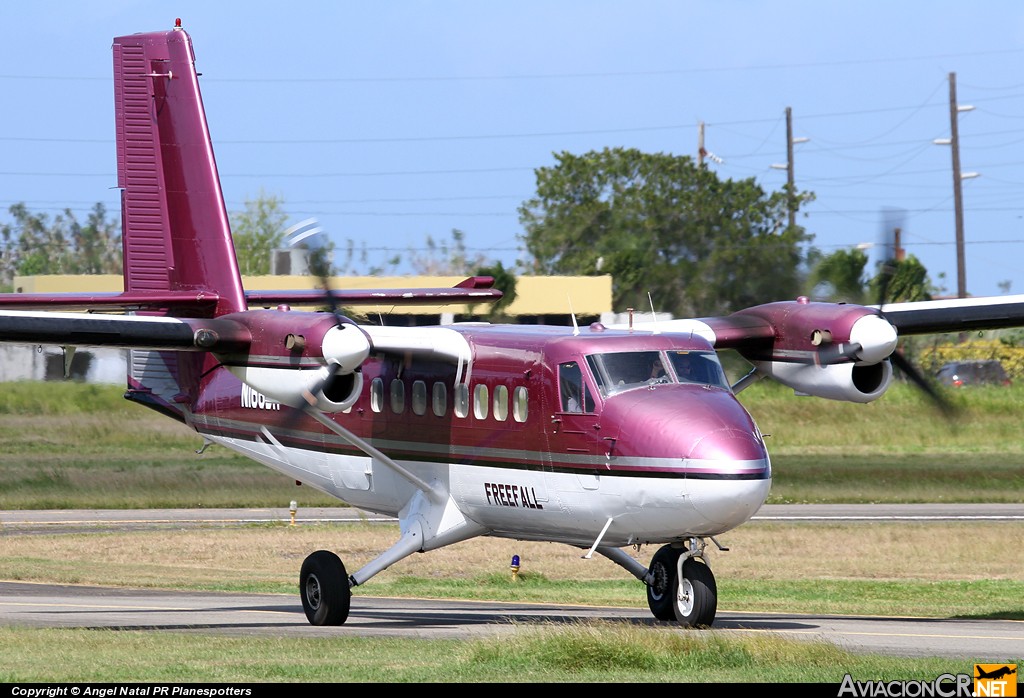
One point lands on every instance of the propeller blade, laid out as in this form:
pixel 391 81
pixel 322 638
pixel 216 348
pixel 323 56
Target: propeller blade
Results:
pixel 310 236
pixel 891 243
pixel 910 371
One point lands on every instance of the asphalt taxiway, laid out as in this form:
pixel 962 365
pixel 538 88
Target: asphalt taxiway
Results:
pixel 48 605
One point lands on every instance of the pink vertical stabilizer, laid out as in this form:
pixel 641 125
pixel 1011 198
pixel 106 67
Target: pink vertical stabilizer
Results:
pixel 176 233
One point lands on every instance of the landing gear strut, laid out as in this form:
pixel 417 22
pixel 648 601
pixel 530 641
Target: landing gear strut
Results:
pixel 324 588
pixel 682 587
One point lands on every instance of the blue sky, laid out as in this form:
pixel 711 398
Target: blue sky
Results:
pixel 395 122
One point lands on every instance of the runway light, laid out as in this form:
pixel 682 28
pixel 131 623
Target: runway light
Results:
pixel 515 567
pixel 292 508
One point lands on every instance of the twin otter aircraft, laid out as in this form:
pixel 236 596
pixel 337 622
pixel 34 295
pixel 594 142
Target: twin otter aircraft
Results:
pixel 596 437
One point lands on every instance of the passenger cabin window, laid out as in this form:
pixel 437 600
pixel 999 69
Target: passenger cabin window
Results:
pixel 397 396
pixel 480 405
pixel 501 403
pixel 519 404
pixel 440 399
pixel 461 400
pixel 419 397
pixel 377 395
pixel 574 396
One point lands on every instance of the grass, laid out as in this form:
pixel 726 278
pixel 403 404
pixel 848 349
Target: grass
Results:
pixel 593 652
pixel 75 446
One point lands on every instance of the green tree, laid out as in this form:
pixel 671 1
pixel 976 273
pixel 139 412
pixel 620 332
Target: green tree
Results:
pixel 257 232
pixel 504 281
pixel 839 276
pixel 901 281
pixel 34 244
pixel 661 224
pixel 98 243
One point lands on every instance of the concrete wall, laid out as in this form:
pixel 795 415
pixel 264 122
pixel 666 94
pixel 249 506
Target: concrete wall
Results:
pixel 93 365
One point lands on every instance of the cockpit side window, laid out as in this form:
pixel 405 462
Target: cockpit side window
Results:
pixel 574 395
pixel 620 371
pixel 700 367
pixel 628 369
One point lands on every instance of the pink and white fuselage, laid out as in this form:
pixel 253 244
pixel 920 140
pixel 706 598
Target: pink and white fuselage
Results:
pixel 480 419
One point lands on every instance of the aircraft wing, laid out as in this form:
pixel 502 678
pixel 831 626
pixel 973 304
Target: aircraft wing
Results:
pixel 842 351
pixel 955 315
pixel 126 331
pixel 801 330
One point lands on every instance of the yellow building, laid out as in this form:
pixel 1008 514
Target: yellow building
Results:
pixel 539 299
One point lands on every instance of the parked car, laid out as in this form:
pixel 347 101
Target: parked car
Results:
pixel 974 372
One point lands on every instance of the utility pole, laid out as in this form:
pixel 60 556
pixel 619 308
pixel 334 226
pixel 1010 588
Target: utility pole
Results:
pixel 958 203
pixel 790 186
pixel 897 244
pixel 700 144
pixel 788 167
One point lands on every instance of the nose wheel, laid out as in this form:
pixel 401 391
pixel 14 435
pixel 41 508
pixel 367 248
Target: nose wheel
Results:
pixel 324 588
pixel 682 588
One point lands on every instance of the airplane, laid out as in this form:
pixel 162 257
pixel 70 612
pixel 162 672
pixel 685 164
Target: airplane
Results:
pixel 995 674
pixel 457 430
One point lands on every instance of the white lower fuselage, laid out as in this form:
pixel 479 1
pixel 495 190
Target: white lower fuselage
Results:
pixel 571 508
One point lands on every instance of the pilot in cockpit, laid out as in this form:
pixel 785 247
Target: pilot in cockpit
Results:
pixel 657 372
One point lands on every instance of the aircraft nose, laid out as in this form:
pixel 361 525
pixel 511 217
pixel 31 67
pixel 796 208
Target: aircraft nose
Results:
pixel 708 439
pixel 728 443
pixel 728 475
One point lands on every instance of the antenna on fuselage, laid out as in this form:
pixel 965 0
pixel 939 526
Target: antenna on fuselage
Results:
pixel 572 314
pixel 654 315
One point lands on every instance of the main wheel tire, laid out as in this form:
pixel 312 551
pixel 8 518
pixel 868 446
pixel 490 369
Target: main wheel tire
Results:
pixel 661 592
pixel 324 588
pixel 696 597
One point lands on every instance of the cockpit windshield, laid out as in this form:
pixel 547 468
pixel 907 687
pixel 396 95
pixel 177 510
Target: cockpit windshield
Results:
pixel 616 372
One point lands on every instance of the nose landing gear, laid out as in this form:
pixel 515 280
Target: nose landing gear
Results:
pixel 682 586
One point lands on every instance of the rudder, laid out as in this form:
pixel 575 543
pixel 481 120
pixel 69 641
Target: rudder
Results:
pixel 175 228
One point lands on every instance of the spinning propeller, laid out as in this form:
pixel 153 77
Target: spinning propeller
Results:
pixel 886 279
pixel 336 379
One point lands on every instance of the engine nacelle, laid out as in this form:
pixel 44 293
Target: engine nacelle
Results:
pixel 330 392
pixel 846 382
pixel 319 366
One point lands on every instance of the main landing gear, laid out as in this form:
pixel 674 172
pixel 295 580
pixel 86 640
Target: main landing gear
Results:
pixel 325 589
pixel 682 587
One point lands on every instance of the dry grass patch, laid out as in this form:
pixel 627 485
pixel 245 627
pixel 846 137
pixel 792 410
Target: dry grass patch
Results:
pixel 273 554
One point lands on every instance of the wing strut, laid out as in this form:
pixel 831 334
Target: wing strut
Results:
pixel 435 496
pixel 599 537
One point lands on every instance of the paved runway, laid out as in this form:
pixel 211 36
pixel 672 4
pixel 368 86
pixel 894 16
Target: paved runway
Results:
pixel 53 520
pixel 45 605
pixel 49 606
